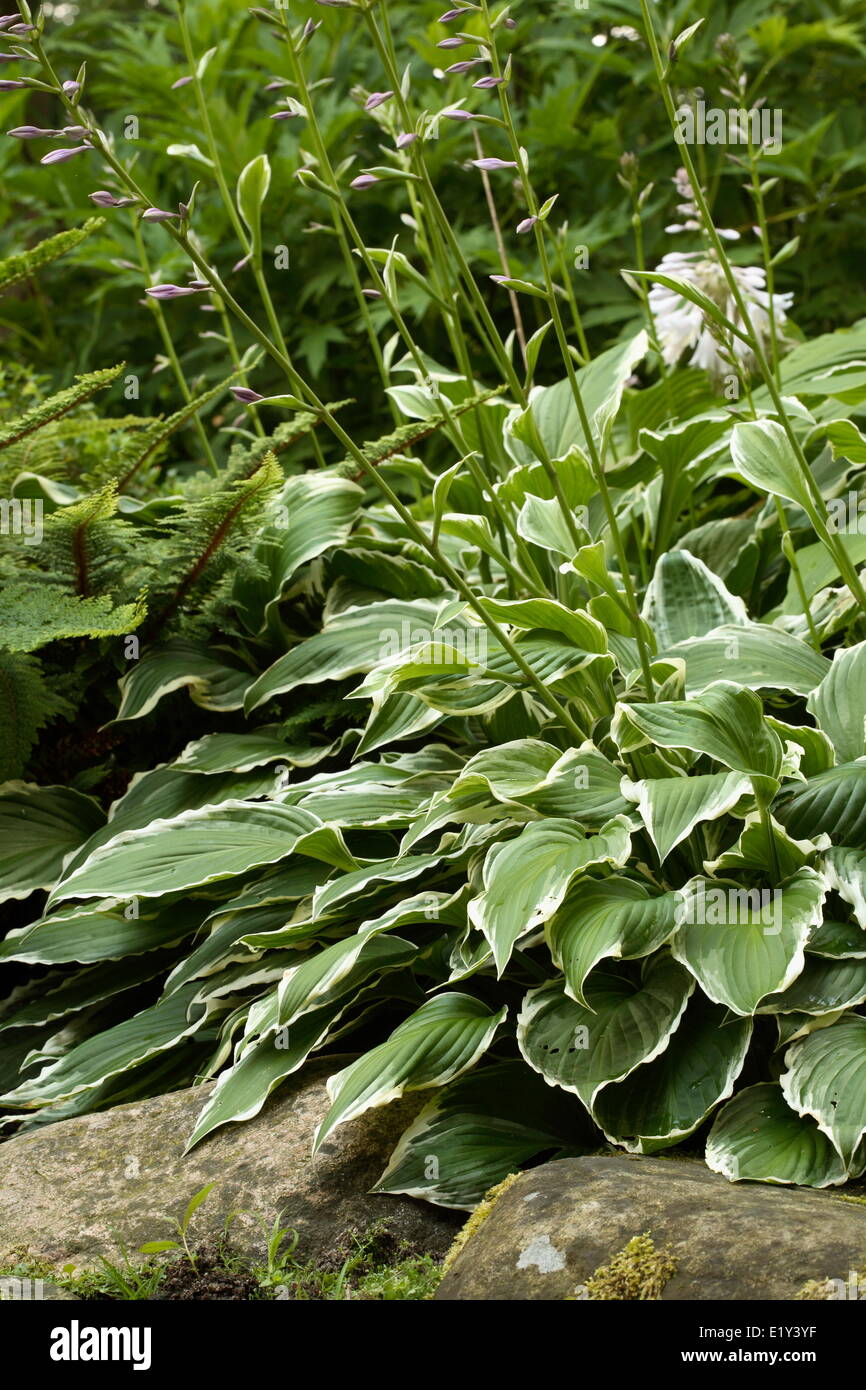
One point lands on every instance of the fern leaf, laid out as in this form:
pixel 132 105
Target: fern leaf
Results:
pixel 158 431
pixel 207 536
pixel 405 436
pixel 27 263
pixel 60 404
pixel 32 615
pixel 27 703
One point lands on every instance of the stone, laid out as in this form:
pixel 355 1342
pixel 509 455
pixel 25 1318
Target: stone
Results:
pixel 96 1184
pixel 552 1229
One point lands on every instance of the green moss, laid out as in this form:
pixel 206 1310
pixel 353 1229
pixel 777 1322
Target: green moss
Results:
pixel 478 1217
pixel 825 1289
pixel 638 1271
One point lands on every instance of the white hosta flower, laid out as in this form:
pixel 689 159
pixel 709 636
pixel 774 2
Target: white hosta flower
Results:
pixel 682 325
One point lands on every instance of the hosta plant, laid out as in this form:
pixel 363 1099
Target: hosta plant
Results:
pixel 530 760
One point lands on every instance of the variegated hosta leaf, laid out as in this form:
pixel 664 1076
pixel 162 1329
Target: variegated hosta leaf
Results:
pixel 726 723
pixel 324 975
pixel 763 455
pixel 440 1041
pixel 685 599
pixel 233 752
pixel 664 1101
pixel 86 934
pixel 671 807
pixel 758 1138
pixel 845 872
pixel 838 941
pixel 545 614
pixel 602 384
pixel 294 1020
pixel 822 987
pixel 481 1128
pixel 608 918
pixel 628 1022
pixel 355 884
pixel 314 511
pixel 349 644
pixel 834 803
pixel 214 683
pixel 526 879
pixel 40 827
pixel 113 1051
pixel 243 1088
pixel 825 1077
pixel 743 944
pixel 751 852
pixel 838 704
pixel 167 792
pixel 201 847
pixel 756 657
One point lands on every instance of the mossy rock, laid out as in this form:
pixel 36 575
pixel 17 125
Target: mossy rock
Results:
pixel 620 1228
pixel 87 1187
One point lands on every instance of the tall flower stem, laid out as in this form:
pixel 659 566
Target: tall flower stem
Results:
pixel 228 201
pixel 595 458
pixel 168 344
pixel 837 551
pixel 308 395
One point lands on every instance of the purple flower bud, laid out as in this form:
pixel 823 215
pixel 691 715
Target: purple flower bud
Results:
pixel 103 199
pixel 450 43
pixel 170 291
pixel 157 215
pixel 33 132
pixel 377 99
pixel 11 85
pixel 494 163
pixel 363 180
pixel 199 284
pixel 526 225
pixel 242 263
pixel 459 115
pixel 373 294
pixel 276 86
pixel 337 4
pixel 245 395
pixel 485 83
pixel 511 23
pixel 466 65
pixel 7 19
pixel 60 156
pixel 10 57
pixel 309 29
pixel 447 17
pixel 498 279
pixel 71 87
pixel 407 138
pixel 283 115
pixel 181 82
pixel 75 131
pixel 21 29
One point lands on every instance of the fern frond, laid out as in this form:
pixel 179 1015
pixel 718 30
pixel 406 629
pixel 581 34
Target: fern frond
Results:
pixel 20 267
pixel 157 432
pixel 60 404
pixel 34 614
pixel 206 538
pixel 404 436
pixel 27 703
